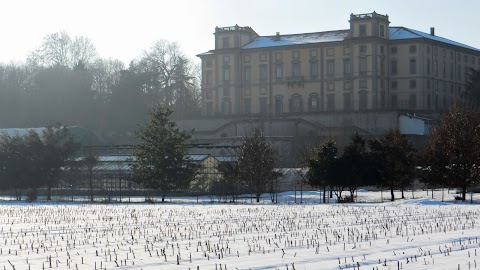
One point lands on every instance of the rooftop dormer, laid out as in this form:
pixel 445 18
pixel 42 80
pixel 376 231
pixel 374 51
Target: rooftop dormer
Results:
pixel 369 25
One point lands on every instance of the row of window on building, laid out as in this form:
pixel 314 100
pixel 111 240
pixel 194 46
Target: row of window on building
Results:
pixel 295 71
pixel 295 103
pixel 363 50
pixel 459 73
pixel 437 85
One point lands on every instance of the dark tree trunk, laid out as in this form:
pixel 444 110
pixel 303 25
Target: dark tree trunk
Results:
pixel 49 193
pixel 90 176
pixel 234 193
pixel 403 196
pixel 91 189
pixel 352 194
pixel 120 187
pixel 392 195
pixel 18 194
pixel 324 194
pixel 301 193
pixel 464 193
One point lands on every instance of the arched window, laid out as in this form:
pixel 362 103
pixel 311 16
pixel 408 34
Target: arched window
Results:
pixel 296 103
pixel 226 106
pixel 313 103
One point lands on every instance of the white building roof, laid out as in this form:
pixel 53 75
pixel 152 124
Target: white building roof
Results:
pixel 296 39
pixel 398 33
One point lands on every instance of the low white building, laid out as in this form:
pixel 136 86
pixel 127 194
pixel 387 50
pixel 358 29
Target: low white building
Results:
pixel 414 125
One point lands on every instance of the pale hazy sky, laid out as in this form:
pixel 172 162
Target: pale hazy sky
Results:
pixel 122 29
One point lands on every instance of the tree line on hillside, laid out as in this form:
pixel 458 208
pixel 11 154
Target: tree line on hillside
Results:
pixel 64 80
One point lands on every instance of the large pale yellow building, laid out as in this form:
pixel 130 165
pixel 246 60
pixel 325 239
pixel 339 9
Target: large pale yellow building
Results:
pixel 369 67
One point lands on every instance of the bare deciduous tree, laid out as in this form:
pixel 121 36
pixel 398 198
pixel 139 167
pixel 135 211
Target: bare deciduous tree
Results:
pixel 453 151
pixel 82 50
pixel 170 77
pixel 60 49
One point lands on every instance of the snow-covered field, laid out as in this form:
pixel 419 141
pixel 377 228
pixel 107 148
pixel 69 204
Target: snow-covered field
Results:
pixel 419 233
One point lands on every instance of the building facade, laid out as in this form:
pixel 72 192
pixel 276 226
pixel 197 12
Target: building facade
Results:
pixel 369 67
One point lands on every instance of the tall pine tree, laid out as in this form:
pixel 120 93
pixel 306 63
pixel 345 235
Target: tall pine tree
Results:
pixel 160 157
pixel 256 163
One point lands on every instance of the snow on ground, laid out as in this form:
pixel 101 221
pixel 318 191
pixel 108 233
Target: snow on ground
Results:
pixel 417 233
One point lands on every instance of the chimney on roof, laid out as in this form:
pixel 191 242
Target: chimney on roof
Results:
pixel 277 36
pixel 432 31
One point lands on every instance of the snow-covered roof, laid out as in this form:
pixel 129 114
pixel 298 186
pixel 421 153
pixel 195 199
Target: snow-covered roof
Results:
pixel 80 134
pixel 131 158
pixel 113 167
pixel 21 131
pixel 399 33
pixel 396 33
pixel 226 158
pixel 120 158
pixel 199 157
pixel 297 39
pixel 205 53
pixel 417 117
pixel 113 158
pixel 112 163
